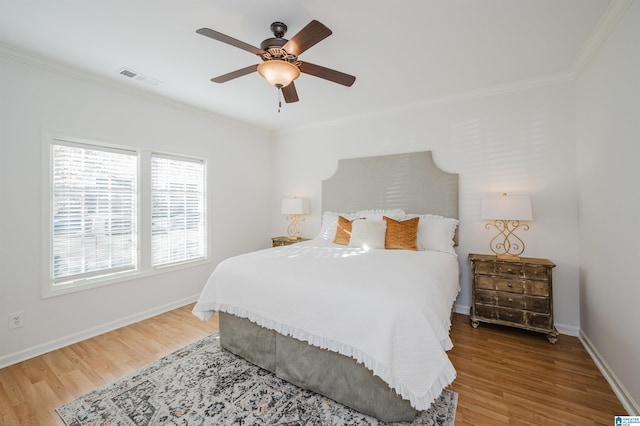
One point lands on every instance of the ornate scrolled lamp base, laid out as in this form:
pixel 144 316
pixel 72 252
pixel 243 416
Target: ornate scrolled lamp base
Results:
pixel 294 230
pixel 506 244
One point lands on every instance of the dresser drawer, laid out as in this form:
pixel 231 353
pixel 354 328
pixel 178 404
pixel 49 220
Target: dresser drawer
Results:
pixel 526 303
pixel 487 297
pixel 499 268
pixel 486 282
pixel 538 320
pixel 536 272
pixel 536 288
pixel 513 270
pixel 513 300
pixel 515 316
pixel 499 313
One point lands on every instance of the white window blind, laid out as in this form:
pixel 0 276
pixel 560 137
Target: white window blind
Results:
pixel 93 211
pixel 178 210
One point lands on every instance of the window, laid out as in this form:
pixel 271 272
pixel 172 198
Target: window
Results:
pixel 93 211
pixel 118 213
pixel 177 211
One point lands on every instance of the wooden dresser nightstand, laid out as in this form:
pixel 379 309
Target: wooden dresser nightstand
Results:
pixel 517 293
pixel 285 241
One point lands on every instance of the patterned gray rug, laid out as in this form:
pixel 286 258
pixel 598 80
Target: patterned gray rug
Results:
pixel 203 384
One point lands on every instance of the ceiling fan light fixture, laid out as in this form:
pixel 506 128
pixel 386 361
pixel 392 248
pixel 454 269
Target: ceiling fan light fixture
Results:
pixel 278 73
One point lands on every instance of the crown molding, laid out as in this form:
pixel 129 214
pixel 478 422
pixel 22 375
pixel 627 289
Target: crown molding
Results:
pixel 31 59
pixel 606 24
pixel 486 92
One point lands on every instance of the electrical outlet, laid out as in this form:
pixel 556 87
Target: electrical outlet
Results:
pixel 16 320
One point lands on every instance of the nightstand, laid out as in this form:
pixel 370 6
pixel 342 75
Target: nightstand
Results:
pixel 516 293
pixel 285 241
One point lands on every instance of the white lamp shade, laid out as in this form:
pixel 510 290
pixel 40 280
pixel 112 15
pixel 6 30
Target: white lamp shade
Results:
pixel 295 206
pixel 506 207
pixel 278 73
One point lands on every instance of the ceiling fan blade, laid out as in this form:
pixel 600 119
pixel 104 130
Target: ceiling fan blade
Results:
pixel 290 93
pixel 235 74
pixel 327 74
pixel 229 40
pixel 313 33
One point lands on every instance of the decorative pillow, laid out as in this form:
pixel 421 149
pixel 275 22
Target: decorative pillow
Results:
pixel 343 231
pixel 401 235
pixel 436 233
pixel 368 234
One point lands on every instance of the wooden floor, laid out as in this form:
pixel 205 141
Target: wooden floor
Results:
pixel 513 377
pixel 505 376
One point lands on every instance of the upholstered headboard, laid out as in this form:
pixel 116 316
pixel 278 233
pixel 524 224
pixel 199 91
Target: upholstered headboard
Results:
pixel 411 181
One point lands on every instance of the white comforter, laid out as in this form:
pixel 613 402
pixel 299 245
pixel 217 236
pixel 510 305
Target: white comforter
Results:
pixel 388 309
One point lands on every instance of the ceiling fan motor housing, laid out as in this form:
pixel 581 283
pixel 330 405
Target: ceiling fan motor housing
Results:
pixel 273 46
pixel 273 42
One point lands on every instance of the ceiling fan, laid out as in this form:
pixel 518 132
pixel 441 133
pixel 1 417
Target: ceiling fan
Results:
pixel 280 63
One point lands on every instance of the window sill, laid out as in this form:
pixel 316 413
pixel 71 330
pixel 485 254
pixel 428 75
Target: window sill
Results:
pixel 50 290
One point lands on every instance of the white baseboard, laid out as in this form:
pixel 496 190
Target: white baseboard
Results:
pixel 629 404
pixel 569 330
pixel 462 309
pixel 16 357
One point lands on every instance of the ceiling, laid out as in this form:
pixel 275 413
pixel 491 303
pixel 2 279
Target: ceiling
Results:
pixel 402 53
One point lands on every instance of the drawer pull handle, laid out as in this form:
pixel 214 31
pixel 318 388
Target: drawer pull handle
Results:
pixel 510 299
pixel 510 284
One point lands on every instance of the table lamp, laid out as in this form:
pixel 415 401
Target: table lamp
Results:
pixel 294 209
pixel 506 212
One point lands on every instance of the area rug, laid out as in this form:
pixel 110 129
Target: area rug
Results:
pixel 204 384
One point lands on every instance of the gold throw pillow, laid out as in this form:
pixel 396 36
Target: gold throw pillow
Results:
pixel 401 235
pixel 343 232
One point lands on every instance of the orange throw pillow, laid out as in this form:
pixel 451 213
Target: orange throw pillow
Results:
pixel 401 235
pixel 343 233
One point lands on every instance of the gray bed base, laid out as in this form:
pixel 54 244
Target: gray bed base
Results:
pixel 410 181
pixel 328 373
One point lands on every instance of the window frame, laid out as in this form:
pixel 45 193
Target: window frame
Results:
pixel 185 159
pixel 143 211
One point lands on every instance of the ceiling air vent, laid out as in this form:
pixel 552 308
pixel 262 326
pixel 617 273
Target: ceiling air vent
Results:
pixel 128 73
pixel 140 77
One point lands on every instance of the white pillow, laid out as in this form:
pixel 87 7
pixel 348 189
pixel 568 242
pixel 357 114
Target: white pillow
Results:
pixel 436 232
pixel 368 234
pixel 328 226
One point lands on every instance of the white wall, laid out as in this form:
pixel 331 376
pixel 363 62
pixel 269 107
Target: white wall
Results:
pixel 519 142
pixel 34 98
pixel 608 123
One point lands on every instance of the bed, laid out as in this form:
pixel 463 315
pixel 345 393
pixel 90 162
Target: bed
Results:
pixel 365 326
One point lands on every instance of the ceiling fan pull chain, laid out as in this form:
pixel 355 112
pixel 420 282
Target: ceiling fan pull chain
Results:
pixel 279 99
